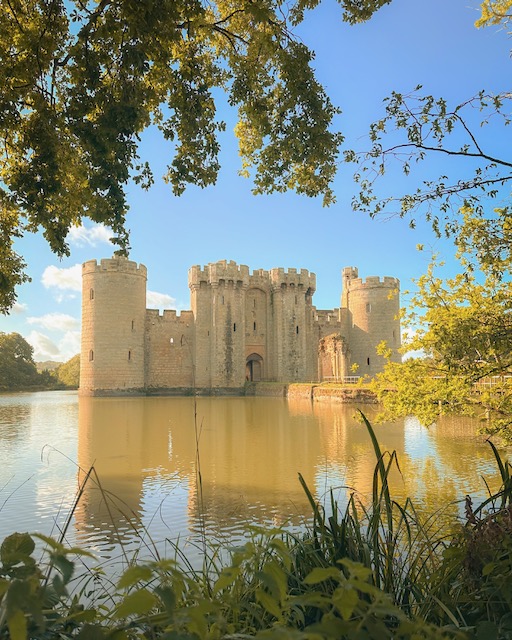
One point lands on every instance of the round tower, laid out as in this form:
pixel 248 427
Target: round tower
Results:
pixel 113 324
pixel 374 318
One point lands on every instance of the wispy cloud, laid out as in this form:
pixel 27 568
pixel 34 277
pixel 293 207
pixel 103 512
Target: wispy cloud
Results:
pixel 47 349
pixel 55 322
pixel 157 300
pixel 69 279
pixel 44 347
pixel 89 236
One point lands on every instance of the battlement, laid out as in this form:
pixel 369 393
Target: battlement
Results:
pixel 293 278
pixel 349 273
pixel 115 264
pixel 214 272
pixel 373 282
pixel 169 315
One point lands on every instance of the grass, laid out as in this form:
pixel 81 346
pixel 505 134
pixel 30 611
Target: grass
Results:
pixel 364 572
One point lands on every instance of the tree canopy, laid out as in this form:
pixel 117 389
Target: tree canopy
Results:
pixel 81 80
pixel 462 325
pixel 17 367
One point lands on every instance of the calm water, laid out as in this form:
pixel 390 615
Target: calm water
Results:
pixel 146 454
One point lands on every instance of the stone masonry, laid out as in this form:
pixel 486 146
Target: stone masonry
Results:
pixel 259 326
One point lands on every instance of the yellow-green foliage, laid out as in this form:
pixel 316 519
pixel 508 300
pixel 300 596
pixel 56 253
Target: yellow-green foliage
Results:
pixel 68 373
pixel 494 12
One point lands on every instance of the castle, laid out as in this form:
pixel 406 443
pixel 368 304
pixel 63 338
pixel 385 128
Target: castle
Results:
pixel 259 326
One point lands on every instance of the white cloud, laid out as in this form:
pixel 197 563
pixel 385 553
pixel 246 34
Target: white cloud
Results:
pixel 46 349
pixel 18 308
pixel 55 322
pixel 89 236
pixel 66 279
pixel 157 300
pixel 69 346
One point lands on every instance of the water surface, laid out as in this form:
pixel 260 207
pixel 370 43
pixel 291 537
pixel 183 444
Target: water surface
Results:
pixel 168 470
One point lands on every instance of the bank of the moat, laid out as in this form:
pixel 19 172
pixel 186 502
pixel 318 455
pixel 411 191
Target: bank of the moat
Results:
pixel 311 391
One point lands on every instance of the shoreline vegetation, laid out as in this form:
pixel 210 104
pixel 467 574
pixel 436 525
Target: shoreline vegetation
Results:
pixel 371 570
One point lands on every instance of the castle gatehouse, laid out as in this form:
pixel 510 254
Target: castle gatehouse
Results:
pixel 242 327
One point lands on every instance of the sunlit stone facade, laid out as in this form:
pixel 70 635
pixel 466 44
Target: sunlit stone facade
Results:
pixel 243 326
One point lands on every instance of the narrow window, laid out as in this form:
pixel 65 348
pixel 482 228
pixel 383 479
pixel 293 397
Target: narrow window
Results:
pixel 208 333
pixel 368 307
pixel 91 355
pixel 254 303
pixel 297 329
pixel 368 361
pixel 234 326
pixel 171 340
pixel 129 355
pixel 91 294
pixel 222 299
pixel 295 299
pixel 181 340
pixel 254 326
pixel 133 325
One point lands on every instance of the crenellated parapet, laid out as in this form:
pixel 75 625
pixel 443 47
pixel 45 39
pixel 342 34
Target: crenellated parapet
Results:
pixel 115 264
pixel 302 279
pixel 372 282
pixel 219 273
pixel 170 316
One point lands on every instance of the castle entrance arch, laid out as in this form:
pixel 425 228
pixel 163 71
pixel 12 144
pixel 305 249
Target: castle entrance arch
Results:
pixel 254 368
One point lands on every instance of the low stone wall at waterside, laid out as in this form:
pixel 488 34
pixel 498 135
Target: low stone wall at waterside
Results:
pixel 266 389
pixel 313 392
pixel 345 395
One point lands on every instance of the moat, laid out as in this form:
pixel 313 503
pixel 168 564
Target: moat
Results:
pixel 147 451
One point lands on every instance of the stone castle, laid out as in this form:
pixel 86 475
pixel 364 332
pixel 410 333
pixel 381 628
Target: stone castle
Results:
pixel 259 326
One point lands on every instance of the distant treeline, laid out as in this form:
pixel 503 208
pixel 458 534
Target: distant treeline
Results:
pixel 18 371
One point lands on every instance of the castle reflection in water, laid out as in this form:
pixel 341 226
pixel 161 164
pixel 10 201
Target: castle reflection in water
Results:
pixel 172 468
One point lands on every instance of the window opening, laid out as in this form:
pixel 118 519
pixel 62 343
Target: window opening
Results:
pixel 133 325
pixel 297 329
pixel 254 326
pixel 234 326
pixel 171 340
pixel 368 307
pixel 368 361
pixel 91 294
pixel 91 355
pixel 129 355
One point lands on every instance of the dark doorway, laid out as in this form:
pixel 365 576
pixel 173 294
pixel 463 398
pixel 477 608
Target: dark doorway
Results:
pixel 254 368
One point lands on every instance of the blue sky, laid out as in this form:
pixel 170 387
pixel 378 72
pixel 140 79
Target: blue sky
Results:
pixel 407 43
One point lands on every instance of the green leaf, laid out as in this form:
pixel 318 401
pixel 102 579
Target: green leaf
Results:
pixel 91 632
pixel 17 625
pixel 319 574
pixel 65 566
pixel 136 604
pixel 227 576
pixel 16 548
pixel 269 603
pixel 132 575
pixel 346 600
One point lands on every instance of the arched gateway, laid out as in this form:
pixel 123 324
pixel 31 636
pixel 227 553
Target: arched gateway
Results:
pixel 254 368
